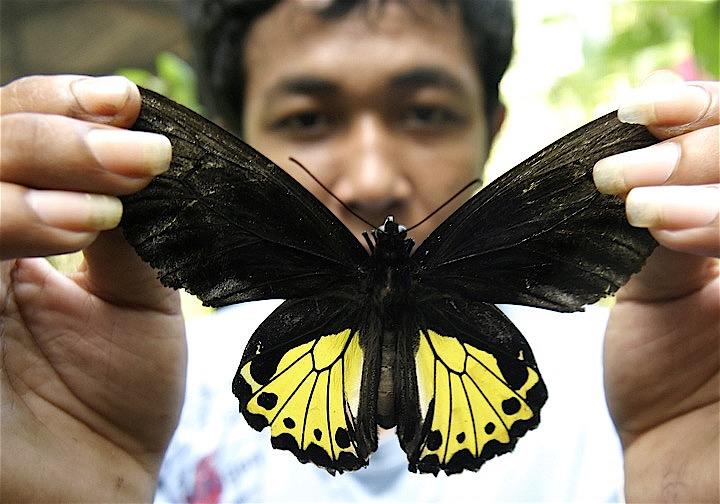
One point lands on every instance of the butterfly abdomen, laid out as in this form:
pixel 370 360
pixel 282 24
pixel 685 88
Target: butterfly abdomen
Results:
pixel 386 415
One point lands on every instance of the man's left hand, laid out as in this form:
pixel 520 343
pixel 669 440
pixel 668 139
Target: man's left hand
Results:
pixel 662 358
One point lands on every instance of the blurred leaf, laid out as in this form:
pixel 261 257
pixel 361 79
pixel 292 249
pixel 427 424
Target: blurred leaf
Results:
pixel 646 36
pixel 706 38
pixel 556 18
pixel 180 79
pixel 175 79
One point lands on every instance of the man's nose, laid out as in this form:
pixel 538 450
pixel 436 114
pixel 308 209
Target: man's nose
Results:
pixel 373 181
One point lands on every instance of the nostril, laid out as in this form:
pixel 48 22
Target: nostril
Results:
pixel 374 204
pixel 377 209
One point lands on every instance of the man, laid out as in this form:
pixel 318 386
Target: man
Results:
pixel 93 365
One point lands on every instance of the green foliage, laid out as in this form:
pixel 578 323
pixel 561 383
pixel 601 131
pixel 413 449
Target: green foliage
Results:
pixel 706 38
pixel 645 36
pixel 175 79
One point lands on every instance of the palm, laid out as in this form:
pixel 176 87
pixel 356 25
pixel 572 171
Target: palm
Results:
pixel 85 375
pixel 662 368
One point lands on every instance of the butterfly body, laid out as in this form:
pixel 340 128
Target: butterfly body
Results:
pixel 389 288
pixel 397 336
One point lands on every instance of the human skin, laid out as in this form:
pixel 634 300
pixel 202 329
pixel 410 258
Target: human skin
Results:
pixel 93 364
pixel 662 344
pixel 393 132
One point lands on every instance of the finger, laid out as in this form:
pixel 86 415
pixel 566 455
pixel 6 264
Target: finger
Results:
pixel 682 218
pixel 673 207
pixel 40 223
pixel 688 159
pixel 672 109
pixel 55 152
pixel 109 100
pixel 703 241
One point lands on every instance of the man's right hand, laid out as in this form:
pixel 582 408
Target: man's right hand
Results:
pixel 92 365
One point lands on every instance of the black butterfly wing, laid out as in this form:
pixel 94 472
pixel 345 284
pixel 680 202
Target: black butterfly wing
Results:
pixel 310 373
pixel 227 224
pixel 542 235
pixel 467 385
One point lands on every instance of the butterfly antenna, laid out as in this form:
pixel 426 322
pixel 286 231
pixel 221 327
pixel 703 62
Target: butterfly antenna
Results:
pixel 465 188
pixel 331 193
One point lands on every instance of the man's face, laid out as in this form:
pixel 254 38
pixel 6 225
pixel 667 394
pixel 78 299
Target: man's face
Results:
pixel 384 107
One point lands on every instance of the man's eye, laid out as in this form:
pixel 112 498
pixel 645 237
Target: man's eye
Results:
pixel 429 116
pixel 305 123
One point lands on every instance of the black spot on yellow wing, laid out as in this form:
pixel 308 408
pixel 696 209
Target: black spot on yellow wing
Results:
pixel 511 406
pixel 267 400
pixel 434 440
pixel 309 396
pixel 341 438
pixel 474 404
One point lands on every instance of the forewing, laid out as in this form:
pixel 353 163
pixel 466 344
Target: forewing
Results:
pixel 542 235
pixel 227 224
pixel 468 387
pixel 307 373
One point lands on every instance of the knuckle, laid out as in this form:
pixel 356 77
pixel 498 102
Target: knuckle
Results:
pixel 22 132
pixel 18 95
pixel 37 93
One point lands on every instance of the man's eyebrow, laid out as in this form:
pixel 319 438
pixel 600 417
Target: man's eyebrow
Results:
pixel 303 85
pixel 427 77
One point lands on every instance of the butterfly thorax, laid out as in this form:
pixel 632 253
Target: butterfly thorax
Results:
pixel 390 271
pixel 389 288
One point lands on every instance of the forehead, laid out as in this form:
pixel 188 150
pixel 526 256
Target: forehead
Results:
pixel 360 47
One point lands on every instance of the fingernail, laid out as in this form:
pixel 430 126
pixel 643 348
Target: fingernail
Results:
pixel 75 211
pixel 666 105
pixel 130 153
pixel 642 167
pixel 673 206
pixel 101 95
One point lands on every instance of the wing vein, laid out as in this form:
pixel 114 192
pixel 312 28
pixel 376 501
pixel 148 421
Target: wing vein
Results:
pixel 489 403
pixel 501 380
pixel 450 415
pixel 472 415
pixel 327 411
pixel 509 245
pixel 307 410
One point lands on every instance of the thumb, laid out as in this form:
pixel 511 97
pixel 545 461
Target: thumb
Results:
pixel 115 273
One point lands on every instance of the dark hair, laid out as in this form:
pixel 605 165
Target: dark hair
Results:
pixel 218 29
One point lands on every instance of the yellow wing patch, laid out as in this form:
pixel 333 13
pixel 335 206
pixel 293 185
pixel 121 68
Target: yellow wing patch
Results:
pixel 473 405
pixel 311 400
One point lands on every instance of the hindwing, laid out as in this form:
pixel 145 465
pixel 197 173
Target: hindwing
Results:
pixel 469 390
pixel 305 374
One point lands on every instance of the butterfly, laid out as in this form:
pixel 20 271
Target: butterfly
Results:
pixel 392 335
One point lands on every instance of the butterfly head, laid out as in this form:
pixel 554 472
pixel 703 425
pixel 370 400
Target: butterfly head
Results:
pixel 392 228
pixel 390 241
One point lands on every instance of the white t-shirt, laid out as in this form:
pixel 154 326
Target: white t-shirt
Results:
pixel 573 456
